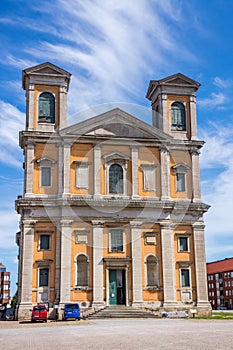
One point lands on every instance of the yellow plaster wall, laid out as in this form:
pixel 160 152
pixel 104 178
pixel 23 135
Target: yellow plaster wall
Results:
pixel 38 89
pixel 149 155
pixel 79 248
pixel 184 256
pixel 82 153
pixel 44 255
pixel 147 249
pixel 177 157
pixel 49 151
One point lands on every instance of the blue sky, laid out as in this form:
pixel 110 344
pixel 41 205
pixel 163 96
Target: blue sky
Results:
pixel 113 48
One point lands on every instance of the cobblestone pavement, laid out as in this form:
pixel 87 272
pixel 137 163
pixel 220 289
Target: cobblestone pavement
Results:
pixel 169 334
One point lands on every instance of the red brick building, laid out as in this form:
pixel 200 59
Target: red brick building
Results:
pixel 220 283
pixel 4 285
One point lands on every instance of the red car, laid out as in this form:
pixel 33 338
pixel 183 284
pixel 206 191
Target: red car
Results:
pixel 39 313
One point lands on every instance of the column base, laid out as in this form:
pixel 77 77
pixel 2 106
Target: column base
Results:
pixel 23 311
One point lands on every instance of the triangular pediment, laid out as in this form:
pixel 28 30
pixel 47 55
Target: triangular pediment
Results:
pixel 115 124
pixel 47 68
pixel 175 80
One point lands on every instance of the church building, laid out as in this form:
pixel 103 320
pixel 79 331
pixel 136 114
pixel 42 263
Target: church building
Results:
pixel 111 211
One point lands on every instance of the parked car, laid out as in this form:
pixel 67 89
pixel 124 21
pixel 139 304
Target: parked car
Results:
pixel 39 313
pixel 8 314
pixel 71 310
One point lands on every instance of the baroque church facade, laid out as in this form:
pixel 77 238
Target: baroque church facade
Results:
pixel 111 212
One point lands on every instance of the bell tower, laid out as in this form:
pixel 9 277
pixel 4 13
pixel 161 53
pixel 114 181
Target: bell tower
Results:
pixel 173 101
pixel 46 88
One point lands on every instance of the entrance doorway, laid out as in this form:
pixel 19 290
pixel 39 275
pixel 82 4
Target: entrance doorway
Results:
pixel 117 290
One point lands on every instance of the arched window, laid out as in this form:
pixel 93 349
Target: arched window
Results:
pixel 47 107
pixel 152 271
pixel 116 179
pixel 82 270
pixel 178 118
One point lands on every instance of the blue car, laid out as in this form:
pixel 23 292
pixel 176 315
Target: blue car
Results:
pixel 71 310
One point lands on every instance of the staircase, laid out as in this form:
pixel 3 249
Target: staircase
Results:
pixel 122 311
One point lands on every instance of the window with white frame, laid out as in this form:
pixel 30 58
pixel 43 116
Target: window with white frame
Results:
pixel 43 277
pixel 183 244
pixel 45 165
pixel 116 178
pixel 180 171
pixel 116 243
pixel 149 177
pixel 82 174
pixel 178 116
pixel 185 277
pixel 45 176
pixel 116 165
pixel 44 241
pixel 82 270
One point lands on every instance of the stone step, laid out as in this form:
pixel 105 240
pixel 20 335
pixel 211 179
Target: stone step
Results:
pixel 122 312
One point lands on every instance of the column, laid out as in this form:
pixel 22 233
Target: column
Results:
pixel 200 265
pixel 134 159
pixel 97 171
pixel 196 192
pixel 165 127
pixel 58 262
pixel 193 117
pixel 66 169
pixel 98 272
pixel 66 243
pixel 136 262
pixel 62 107
pixel 60 170
pixel 25 293
pixel 29 169
pixel 30 108
pixel 165 172
pixel 168 264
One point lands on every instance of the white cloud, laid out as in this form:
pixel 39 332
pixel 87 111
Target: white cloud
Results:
pixel 11 121
pixel 215 100
pixel 223 83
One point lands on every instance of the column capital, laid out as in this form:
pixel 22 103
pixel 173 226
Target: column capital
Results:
pixel 194 151
pixel 97 223
pixel 167 225
pixel 30 144
pixel 134 147
pixel 136 224
pixel 164 148
pixel 97 145
pixel 198 226
pixel 66 223
pixel 28 223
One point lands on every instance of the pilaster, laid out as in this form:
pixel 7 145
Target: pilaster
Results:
pixel 29 169
pixel 66 243
pixel 98 262
pixel 165 173
pixel 168 263
pixel 66 169
pixel 62 107
pixel 136 261
pixel 134 159
pixel 200 264
pixel 30 107
pixel 193 117
pixel 164 113
pixel 97 169
pixel 196 197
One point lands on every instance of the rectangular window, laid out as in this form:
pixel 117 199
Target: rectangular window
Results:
pixel 6 278
pixel 116 241
pixel 43 277
pixel 180 182
pixel 82 176
pixel 185 281
pixel 183 244
pixel 44 242
pixel 45 176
